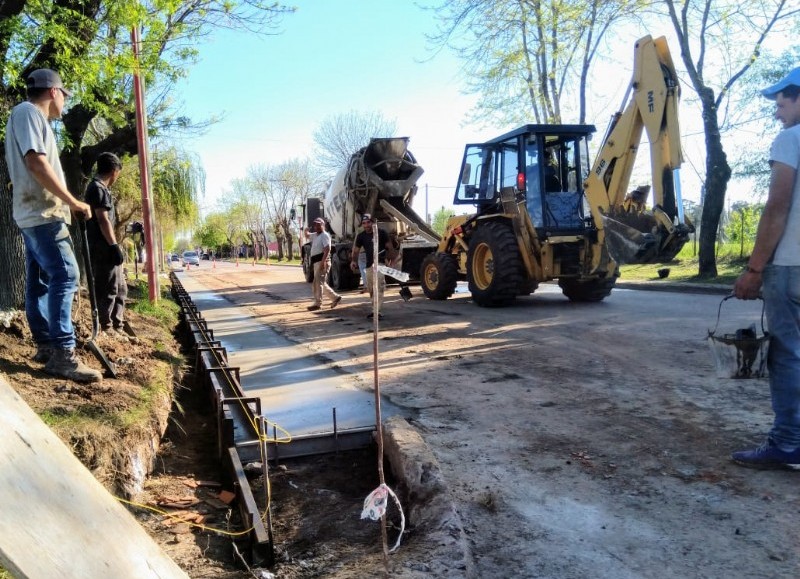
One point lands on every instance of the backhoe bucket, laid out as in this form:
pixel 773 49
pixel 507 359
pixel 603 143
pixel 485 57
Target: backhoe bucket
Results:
pixel 635 238
pixel 627 244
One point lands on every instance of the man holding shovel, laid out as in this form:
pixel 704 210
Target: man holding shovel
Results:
pixel 41 208
pixel 110 288
pixel 774 268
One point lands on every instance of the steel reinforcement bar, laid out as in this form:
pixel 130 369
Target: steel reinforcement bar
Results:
pixel 238 422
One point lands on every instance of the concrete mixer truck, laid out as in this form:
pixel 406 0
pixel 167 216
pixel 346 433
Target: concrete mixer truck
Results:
pixel 379 179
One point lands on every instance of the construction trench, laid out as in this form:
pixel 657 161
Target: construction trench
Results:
pixel 273 403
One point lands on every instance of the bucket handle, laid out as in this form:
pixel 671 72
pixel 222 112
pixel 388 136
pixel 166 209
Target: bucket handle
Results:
pixel 719 312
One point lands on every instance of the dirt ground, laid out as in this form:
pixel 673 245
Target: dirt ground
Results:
pixel 577 440
pixel 315 502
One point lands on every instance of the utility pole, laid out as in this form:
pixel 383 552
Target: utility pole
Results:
pixel 144 171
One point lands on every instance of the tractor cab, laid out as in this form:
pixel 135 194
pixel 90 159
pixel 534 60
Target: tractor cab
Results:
pixel 544 164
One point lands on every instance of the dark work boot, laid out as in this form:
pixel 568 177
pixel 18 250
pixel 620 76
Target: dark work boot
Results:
pixel 43 353
pixel 66 364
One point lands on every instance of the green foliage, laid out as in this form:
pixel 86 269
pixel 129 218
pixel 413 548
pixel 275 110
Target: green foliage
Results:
pixel 741 226
pixel 440 219
pixel 178 181
pixel 529 60
pixel 165 310
pixel 211 232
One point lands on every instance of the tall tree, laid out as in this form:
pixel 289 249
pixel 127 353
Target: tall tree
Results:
pixel 211 233
pixel 88 41
pixel 282 188
pixel 341 135
pixel 719 42
pixel 529 58
pixel 752 113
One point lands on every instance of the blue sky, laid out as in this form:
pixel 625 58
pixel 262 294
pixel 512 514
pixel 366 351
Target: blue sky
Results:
pixel 330 58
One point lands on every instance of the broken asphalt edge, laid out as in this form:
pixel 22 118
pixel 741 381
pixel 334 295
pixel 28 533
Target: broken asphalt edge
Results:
pixel 429 508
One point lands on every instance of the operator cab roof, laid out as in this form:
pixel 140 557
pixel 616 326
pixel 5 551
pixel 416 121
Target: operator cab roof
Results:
pixel 545 130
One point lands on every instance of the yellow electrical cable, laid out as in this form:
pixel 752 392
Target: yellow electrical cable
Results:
pixel 190 523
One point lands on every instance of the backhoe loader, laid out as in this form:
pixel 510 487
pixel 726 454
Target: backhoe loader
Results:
pixel 544 214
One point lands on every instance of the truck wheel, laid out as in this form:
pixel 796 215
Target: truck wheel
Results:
pixel 341 278
pixel 494 265
pixel 595 290
pixel 305 260
pixel 527 286
pixel 439 275
pixel 336 276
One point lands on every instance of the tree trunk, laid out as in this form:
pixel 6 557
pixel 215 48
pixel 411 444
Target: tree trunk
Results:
pixel 12 248
pixel 718 173
pixel 288 233
pixel 279 240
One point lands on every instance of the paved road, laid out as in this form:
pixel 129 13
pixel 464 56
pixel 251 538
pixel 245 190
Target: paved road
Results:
pixel 578 440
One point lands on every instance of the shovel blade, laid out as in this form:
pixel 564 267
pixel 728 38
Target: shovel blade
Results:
pixel 126 327
pixel 110 370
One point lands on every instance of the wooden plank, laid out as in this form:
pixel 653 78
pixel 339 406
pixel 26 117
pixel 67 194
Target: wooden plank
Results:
pixel 56 519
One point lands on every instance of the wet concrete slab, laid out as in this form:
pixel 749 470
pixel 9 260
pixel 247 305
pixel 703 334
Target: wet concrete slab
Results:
pixel 299 391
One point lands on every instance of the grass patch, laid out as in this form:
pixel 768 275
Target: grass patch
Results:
pixel 684 268
pixel 165 310
pixel 85 418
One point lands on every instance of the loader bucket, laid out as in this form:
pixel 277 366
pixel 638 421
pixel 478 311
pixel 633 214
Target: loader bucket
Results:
pixel 635 238
pixel 627 244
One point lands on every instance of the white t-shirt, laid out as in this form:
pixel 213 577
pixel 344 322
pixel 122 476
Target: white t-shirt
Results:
pixel 28 130
pixel 319 242
pixel 786 149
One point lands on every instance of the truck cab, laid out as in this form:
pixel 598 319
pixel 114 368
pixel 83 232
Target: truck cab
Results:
pixel 544 163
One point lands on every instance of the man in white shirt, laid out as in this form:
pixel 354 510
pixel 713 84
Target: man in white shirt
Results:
pixel 774 267
pixel 321 262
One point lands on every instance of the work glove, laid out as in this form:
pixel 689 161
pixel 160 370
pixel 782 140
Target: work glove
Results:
pixel 117 255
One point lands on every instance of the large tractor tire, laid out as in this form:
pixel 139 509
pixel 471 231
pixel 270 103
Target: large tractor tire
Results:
pixel 439 275
pixel 527 286
pixel 494 265
pixel 305 260
pixel 341 278
pixel 595 290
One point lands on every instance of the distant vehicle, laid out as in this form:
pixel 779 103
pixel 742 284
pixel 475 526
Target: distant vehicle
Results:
pixel 205 256
pixel 174 257
pixel 190 258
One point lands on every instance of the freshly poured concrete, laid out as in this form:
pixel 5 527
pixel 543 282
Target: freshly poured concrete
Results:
pixel 298 391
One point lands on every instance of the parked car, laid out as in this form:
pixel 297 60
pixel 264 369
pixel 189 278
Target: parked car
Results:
pixel 205 256
pixel 190 258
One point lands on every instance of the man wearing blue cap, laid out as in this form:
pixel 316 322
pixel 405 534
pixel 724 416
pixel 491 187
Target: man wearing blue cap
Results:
pixel 774 268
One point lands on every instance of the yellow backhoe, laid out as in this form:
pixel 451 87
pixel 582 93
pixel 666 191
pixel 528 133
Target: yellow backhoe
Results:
pixel 543 213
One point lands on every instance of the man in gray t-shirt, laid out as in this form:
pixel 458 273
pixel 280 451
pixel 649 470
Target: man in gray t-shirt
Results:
pixel 41 207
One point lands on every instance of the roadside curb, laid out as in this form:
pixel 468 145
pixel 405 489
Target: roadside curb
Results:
pixel 689 288
pixel 430 510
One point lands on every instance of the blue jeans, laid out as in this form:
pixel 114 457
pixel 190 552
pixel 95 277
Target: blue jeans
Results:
pixel 782 302
pixel 51 281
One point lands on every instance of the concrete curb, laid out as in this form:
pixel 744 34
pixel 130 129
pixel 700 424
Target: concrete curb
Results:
pixel 667 286
pixel 430 510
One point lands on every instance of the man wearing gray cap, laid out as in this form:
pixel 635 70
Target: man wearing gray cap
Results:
pixel 320 256
pixel 774 268
pixel 41 207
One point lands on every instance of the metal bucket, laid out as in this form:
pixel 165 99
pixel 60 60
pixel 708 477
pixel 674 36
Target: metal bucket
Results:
pixel 742 354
